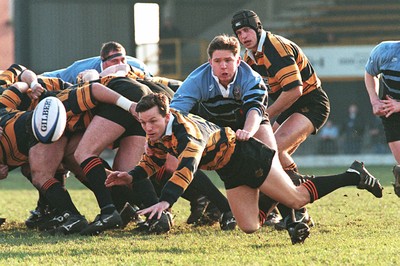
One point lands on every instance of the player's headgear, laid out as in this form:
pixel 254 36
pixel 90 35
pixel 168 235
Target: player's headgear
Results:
pixel 247 18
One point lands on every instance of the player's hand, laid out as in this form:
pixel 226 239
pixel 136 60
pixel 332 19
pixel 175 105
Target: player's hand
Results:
pixel 155 210
pixel 242 135
pixel 88 75
pixel 118 178
pixel 378 108
pixel 3 171
pixel 132 110
pixel 390 106
pixel 35 92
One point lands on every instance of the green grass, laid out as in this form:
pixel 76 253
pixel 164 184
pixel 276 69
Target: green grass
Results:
pixel 352 228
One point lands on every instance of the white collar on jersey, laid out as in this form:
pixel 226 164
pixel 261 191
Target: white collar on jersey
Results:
pixel 168 130
pixel 260 46
pixel 224 92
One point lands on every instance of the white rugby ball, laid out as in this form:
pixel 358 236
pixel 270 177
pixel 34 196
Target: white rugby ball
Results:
pixel 49 120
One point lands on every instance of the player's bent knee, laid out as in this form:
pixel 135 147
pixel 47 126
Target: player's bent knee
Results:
pixel 248 230
pixel 248 227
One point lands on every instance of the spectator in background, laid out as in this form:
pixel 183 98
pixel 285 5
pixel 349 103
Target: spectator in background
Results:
pixel 318 36
pixel 168 44
pixel 377 138
pixel 352 131
pixel 328 142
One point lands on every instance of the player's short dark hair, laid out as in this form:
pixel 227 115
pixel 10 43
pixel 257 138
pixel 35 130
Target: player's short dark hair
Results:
pixel 224 42
pixel 154 99
pixel 112 46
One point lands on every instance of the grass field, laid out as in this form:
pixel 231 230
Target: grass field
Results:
pixel 352 228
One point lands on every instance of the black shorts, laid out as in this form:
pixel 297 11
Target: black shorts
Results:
pixel 391 125
pixel 315 106
pixel 249 165
pixel 132 90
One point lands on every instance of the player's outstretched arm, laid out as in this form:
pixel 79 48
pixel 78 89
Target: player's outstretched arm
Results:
pixel 105 95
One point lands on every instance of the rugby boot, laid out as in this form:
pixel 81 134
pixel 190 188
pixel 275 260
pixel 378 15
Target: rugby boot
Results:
pixel 197 210
pixel 74 223
pixel 396 184
pixel 103 222
pixel 367 181
pixel 129 214
pixel 227 221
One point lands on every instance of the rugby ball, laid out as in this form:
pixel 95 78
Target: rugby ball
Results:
pixel 49 120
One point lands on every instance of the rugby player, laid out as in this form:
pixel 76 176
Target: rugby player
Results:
pixel 246 167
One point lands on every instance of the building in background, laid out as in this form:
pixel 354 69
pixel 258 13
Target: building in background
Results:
pixel 6 34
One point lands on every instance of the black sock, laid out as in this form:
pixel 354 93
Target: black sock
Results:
pixel 58 196
pixel 96 175
pixel 204 186
pixel 120 195
pixel 145 192
pixel 323 185
pixel 192 195
pixel 265 203
pixel 60 176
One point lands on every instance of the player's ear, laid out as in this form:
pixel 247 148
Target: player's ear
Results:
pixel 167 116
pixel 239 60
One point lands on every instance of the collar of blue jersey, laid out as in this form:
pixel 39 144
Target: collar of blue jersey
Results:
pixel 260 46
pixel 168 130
pixel 225 92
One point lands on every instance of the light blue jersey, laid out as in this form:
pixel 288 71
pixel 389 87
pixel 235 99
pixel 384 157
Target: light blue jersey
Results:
pixel 385 60
pixel 217 104
pixel 70 73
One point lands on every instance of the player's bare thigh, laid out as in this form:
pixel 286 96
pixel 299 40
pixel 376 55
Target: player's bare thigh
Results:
pixel 100 133
pixel 266 136
pixel 69 161
pixel 44 160
pixel 129 153
pixel 243 201
pixel 291 133
pixel 280 187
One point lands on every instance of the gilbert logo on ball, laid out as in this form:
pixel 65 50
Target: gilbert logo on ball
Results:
pixel 49 120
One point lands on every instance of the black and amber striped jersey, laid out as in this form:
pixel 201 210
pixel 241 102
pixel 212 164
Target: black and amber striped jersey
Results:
pixel 15 140
pixel 53 84
pixel 283 64
pixel 197 143
pixel 10 75
pixel 78 103
pixel 13 74
pixel 17 135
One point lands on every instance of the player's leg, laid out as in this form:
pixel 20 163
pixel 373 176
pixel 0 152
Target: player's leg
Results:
pixel 142 193
pixel 69 160
pixel 44 161
pixel 289 135
pixel 129 153
pixel 100 133
pixel 288 141
pixel 265 134
pixel 279 186
pixel 244 205
pixel 395 149
pixel 391 126
pixel 204 186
